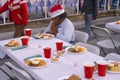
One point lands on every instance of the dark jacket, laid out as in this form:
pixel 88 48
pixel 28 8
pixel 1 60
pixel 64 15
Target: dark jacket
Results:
pixel 90 6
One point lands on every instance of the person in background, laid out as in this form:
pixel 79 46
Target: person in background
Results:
pixel 18 13
pixel 90 8
pixel 29 6
pixel 60 26
pixel 48 7
pixel 36 6
pixel 41 4
pixel 48 4
pixel 75 6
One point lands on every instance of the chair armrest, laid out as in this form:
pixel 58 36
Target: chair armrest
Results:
pixel 19 72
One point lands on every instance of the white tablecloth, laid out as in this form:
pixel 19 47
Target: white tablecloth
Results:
pixel 54 70
pixel 113 26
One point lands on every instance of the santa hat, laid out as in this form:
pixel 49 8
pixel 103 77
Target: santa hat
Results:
pixel 56 10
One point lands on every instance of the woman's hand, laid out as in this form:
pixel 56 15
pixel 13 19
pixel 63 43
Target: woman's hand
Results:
pixel 54 28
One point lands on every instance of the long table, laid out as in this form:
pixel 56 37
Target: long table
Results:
pixel 70 64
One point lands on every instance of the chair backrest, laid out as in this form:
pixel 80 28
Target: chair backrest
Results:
pixel 99 31
pixel 91 48
pixel 81 36
pixel 103 32
pixel 113 56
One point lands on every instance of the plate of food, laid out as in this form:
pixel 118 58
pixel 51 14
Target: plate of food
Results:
pixel 44 36
pixel 71 77
pixel 113 67
pixel 117 22
pixel 60 53
pixel 37 62
pixel 56 59
pixel 12 44
pixel 76 49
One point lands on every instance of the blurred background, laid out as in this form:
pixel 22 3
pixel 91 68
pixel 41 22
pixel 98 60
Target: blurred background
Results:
pixel 39 9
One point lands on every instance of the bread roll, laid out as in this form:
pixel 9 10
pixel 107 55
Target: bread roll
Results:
pixel 79 48
pixel 42 63
pixel 12 43
pixel 74 77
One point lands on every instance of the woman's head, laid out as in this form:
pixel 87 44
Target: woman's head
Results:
pixel 58 19
pixel 57 14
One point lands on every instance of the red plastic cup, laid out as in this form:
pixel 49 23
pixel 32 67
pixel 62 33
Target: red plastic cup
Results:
pixel 28 32
pixel 24 40
pixel 88 70
pixel 47 52
pixel 102 67
pixel 59 46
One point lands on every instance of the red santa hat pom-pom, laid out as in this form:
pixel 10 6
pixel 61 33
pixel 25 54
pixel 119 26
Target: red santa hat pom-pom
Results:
pixel 56 10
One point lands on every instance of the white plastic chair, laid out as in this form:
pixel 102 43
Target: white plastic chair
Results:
pixel 15 73
pixel 103 43
pixel 91 48
pixel 81 36
pixel 113 56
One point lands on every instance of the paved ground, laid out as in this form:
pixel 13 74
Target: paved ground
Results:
pixel 100 22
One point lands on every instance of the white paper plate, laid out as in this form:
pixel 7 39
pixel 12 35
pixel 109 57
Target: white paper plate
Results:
pixel 10 47
pixel 75 53
pixel 47 61
pixel 112 71
pixel 64 77
pixel 44 38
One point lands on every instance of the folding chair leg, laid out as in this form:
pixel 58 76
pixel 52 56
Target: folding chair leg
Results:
pixel 118 50
pixel 102 50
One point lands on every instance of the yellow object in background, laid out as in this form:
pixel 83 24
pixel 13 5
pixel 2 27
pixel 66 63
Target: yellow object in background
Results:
pixel 117 22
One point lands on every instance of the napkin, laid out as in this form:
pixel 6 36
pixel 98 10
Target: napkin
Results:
pixel 33 57
pixel 35 37
pixel 66 46
pixel 19 47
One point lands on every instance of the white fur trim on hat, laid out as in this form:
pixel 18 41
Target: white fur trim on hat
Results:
pixel 57 13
